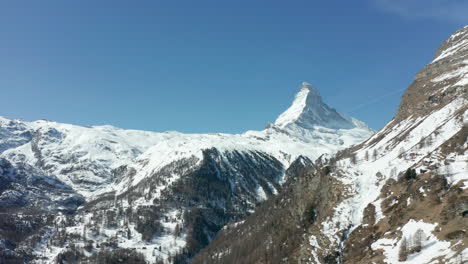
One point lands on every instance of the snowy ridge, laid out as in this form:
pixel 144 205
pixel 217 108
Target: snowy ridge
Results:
pixel 84 157
pixel 285 147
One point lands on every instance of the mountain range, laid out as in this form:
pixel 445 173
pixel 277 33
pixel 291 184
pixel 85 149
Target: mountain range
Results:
pixel 316 186
pixel 83 174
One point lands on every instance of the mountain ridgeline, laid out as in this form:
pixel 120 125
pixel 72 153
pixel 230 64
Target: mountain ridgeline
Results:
pixel 76 194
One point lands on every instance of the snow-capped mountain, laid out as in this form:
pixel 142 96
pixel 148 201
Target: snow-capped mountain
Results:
pixel 398 197
pixel 309 111
pixel 84 157
pixel 164 194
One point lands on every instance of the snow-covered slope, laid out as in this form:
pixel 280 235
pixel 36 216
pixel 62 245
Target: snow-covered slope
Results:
pixel 84 157
pixel 399 197
pixel 166 178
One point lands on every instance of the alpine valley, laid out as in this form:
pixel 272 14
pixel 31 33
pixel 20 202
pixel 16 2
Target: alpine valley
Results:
pixel 316 186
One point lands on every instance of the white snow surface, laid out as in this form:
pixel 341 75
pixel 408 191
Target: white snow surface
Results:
pixel 295 110
pixel 362 179
pixel 84 156
pixel 432 247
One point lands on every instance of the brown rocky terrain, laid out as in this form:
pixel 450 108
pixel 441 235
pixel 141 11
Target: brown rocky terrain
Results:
pixel 425 93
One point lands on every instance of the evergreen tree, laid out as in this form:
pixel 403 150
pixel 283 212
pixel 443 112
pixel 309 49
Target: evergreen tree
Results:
pixel 410 174
pixel 84 233
pixel 403 252
pixel 419 237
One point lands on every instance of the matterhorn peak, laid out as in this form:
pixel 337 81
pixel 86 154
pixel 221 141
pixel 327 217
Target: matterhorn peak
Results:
pixel 311 90
pixel 307 85
pixel 308 111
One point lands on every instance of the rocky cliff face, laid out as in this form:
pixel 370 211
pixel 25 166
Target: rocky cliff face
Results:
pixel 399 197
pixel 438 82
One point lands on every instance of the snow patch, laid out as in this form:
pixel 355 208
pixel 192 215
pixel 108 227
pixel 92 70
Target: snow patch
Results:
pixel 431 246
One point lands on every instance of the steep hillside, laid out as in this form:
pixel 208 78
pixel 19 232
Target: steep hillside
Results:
pixel 149 196
pixel 399 197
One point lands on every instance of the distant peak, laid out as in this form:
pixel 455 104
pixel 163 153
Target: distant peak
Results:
pixel 308 110
pixel 306 85
pixel 309 87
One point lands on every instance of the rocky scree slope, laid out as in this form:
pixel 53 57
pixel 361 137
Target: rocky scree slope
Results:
pixel 399 197
pixel 98 193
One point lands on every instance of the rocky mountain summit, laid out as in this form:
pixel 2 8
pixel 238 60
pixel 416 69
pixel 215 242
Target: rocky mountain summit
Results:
pixel 399 197
pixel 308 111
pixel 79 194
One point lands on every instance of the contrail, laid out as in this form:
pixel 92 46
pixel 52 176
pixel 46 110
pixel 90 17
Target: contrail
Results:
pixel 374 100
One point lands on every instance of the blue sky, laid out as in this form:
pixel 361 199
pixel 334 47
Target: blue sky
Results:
pixel 212 66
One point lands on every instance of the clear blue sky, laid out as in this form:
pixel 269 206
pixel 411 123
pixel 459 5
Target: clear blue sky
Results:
pixel 212 66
